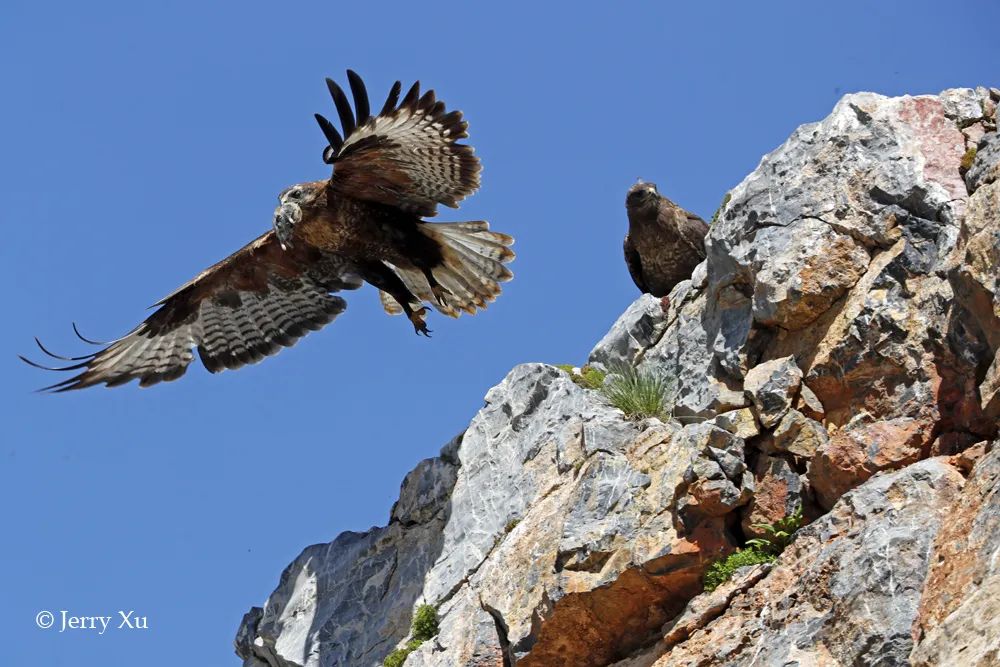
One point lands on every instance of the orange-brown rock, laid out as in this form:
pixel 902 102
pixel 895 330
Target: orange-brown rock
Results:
pixel 778 493
pixel 959 614
pixel 845 592
pixel 854 454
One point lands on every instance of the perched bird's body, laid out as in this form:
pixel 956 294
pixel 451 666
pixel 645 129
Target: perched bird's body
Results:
pixel 664 242
pixel 363 224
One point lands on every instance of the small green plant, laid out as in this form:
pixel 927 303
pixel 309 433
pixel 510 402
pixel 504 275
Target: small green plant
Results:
pixel 511 525
pixel 778 534
pixel 725 200
pixel 967 159
pixel 423 627
pixel 758 550
pixel 639 394
pixel 722 570
pixel 588 377
pixel 425 622
pixel 399 656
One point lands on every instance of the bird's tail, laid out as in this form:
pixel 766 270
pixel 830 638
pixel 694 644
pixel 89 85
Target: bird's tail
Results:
pixel 469 274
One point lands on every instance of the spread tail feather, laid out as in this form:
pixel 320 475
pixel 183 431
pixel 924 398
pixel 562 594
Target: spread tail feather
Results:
pixel 469 274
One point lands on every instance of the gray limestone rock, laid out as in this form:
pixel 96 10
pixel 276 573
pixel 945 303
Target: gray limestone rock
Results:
pixel 986 166
pixel 635 331
pixel 772 386
pixel 799 435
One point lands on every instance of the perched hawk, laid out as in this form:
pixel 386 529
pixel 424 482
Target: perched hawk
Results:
pixel 362 224
pixel 664 242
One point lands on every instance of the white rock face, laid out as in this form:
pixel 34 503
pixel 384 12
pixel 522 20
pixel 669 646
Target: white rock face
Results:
pixel 842 328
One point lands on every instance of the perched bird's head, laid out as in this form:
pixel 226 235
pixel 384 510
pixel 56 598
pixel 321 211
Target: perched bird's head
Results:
pixel 642 195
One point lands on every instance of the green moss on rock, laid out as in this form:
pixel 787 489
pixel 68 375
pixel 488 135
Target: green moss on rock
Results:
pixel 967 159
pixel 588 377
pixel 423 627
pixel 721 571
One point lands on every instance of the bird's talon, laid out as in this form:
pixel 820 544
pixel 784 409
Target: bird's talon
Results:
pixel 439 294
pixel 419 326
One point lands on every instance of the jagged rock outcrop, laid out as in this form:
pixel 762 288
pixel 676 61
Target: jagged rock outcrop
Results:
pixel 838 352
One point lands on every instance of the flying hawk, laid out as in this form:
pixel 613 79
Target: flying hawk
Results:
pixel 363 224
pixel 664 242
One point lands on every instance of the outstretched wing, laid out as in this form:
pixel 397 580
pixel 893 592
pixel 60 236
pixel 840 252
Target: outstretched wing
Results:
pixel 244 308
pixel 406 156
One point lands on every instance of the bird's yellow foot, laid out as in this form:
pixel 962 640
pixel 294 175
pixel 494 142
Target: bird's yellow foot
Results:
pixel 417 318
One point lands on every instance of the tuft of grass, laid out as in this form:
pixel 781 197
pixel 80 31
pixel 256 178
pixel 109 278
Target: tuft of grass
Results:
pixel 638 394
pixel 967 159
pixel 423 627
pixel 725 200
pixel 511 525
pixel 721 571
pixel 588 377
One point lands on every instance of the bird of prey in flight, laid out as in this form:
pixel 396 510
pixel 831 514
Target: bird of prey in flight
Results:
pixel 363 224
pixel 664 242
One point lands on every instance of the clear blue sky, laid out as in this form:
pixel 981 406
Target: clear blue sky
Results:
pixel 141 145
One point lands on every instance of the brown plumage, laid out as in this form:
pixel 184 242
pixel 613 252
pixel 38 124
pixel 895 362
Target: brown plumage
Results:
pixel 361 225
pixel 664 242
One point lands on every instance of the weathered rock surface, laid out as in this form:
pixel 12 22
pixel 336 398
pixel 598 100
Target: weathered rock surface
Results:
pixel 847 590
pixel 838 351
pixel 959 614
pixel 551 512
pixel 779 492
pixel 772 386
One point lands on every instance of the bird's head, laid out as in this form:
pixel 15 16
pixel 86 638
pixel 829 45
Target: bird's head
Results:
pixel 301 194
pixel 642 195
pixel 291 201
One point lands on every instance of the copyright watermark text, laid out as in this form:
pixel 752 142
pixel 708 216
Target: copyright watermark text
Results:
pixel 64 620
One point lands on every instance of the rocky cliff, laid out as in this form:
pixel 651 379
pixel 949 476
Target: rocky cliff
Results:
pixel 837 352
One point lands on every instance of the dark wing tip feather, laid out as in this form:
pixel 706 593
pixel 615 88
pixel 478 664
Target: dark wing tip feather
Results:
pixel 87 340
pixel 59 356
pixel 412 96
pixel 52 368
pixel 343 106
pixel 429 102
pixel 392 99
pixel 360 94
pixel 64 386
pixel 332 136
